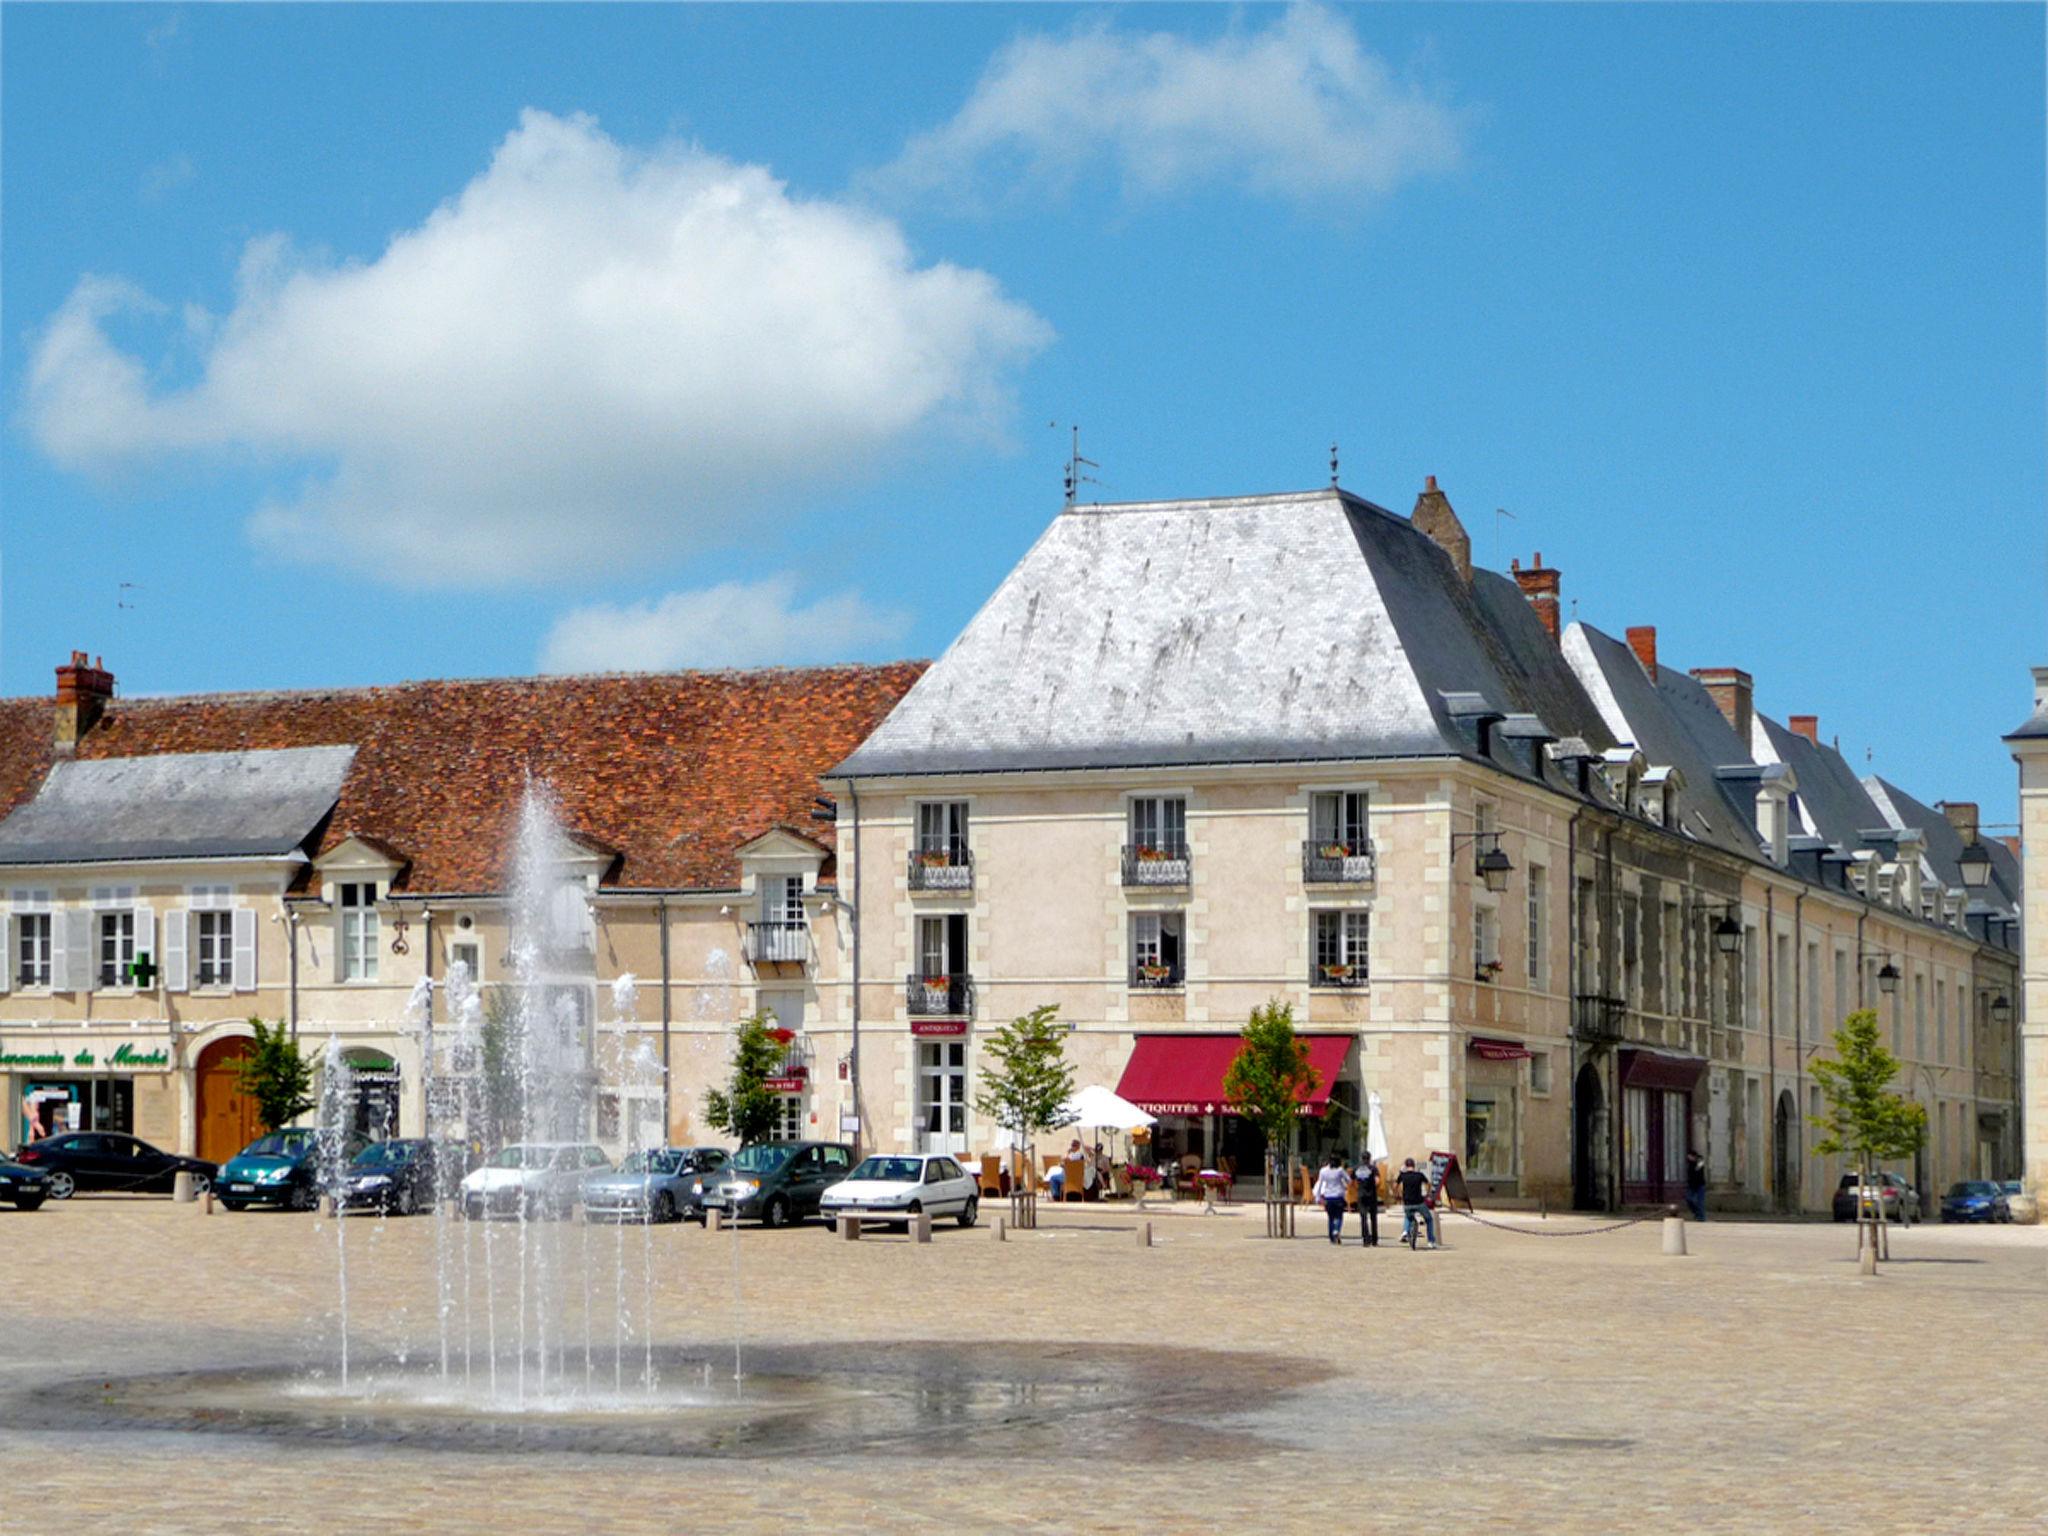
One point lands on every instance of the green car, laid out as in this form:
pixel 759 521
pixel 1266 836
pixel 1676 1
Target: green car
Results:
pixel 281 1169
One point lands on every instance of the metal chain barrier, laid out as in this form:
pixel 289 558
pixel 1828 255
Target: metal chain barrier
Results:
pixel 1612 1226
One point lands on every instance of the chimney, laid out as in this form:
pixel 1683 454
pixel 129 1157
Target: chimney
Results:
pixel 1540 585
pixel 1643 641
pixel 84 689
pixel 1962 815
pixel 2012 845
pixel 1433 516
pixel 1805 725
pixel 1733 693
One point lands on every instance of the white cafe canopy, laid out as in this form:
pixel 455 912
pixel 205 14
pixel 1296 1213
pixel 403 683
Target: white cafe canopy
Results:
pixel 1098 1109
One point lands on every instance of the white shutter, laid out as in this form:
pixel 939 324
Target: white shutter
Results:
pixel 245 949
pixel 7 957
pixel 71 952
pixel 145 932
pixel 334 930
pixel 177 970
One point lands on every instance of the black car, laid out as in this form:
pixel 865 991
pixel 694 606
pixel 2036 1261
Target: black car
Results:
pixel 281 1168
pixel 404 1176
pixel 108 1160
pixel 776 1181
pixel 22 1186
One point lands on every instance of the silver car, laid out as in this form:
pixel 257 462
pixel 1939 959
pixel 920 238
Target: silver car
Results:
pixel 532 1178
pixel 655 1185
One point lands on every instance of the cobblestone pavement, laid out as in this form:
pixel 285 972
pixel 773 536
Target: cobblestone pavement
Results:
pixel 1510 1382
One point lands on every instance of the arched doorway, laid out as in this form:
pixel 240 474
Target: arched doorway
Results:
pixel 1589 1133
pixel 226 1116
pixel 1785 1138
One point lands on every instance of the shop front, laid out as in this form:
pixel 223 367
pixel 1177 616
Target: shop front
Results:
pixel 1492 1157
pixel 1179 1078
pixel 1656 1124
pixel 79 1083
pixel 940 1083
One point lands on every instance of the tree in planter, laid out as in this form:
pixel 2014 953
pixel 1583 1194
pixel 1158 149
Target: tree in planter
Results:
pixel 276 1075
pixel 745 1107
pixel 1026 1079
pixel 1865 1121
pixel 1269 1078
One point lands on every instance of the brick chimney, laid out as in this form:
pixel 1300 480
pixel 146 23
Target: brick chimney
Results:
pixel 1433 516
pixel 1805 725
pixel 84 689
pixel 1734 694
pixel 1540 585
pixel 1642 639
pixel 1962 815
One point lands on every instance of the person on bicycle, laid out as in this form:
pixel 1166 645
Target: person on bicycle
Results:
pixel 1414 1187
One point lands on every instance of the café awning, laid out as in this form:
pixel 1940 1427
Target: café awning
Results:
pixel 1498 1050
pixel 1653 1069
pixel 1183 1074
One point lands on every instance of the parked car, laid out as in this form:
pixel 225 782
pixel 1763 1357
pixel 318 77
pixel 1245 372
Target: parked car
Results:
pixel 403 1176
pixel 110 1160
pixel 1896 1199
pixel 1975 1200
pixel 650 1186
pixel 23 1187
pixel 2022 1205
pixel 899 1185
pixel 532 1178
pixel 282 1168
pixel 778 1182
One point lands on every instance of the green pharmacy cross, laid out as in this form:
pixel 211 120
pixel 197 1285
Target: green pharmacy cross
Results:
pixel 142 971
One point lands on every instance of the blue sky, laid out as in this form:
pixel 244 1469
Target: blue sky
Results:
pixel 394 341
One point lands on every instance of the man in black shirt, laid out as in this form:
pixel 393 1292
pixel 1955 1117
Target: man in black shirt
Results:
pixel 1366 1179
pixel 1414 1187
pixel 1696 1185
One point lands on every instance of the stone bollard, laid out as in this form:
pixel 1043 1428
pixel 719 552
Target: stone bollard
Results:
pixel 849 1228
pixel 327 1206
pixel 1144 1234
pixel 714 1219
pixel 181 1188
pixel 1674 1236
pixel 921 1226
pixel 1866 1250
pixel 1002 1230
pixel 206 1203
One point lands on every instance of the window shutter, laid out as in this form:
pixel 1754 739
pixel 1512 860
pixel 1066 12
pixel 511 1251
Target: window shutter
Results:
pixel 145 932
pixel 71 952
pixel 334 922
pixel 245 949
pixel 177 972
pixel 7 955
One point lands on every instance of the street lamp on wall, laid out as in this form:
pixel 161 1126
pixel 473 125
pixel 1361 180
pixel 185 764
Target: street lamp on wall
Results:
pixel 1489 863
pixel 1728 933
pixel 1888 978
pixel 2001 1010
pixel 1974 863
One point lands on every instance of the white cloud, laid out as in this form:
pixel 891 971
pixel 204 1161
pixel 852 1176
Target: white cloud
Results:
pixel 1298 110
pixel 734 624
pixel 588 358
pixel 166 176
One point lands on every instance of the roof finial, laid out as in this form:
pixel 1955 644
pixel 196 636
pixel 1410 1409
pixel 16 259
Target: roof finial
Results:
pixel 1333 466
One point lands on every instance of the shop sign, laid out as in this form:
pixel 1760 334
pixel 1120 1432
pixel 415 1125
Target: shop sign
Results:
pixel 783 1084
pixel 1499 1050
pixel 123 1057
pixel 928 1028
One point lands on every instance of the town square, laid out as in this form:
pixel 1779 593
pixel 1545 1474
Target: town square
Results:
pixel 981 768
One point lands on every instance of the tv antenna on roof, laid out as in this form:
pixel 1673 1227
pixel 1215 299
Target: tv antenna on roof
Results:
pixel 121 595
pixel 1498 514
pixel 1075 479
pixel 1333 466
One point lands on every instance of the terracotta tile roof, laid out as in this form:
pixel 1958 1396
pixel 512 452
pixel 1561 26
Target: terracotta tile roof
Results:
pixel 674 770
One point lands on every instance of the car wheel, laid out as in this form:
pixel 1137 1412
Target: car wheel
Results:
pixel 407 1203
pixel 970 1211
pixel 303 1198
pixel 201 1183
pixel 776 1213
pixel 62 1185
pixel 29 1203
pixel 664 1208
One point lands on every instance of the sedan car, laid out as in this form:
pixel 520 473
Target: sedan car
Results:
pixel 403 1176
pixel 532 1178
pixel 2022 1205
pixel 112 1161
pixel 778 1182
pixel 655 1185
pixel 22 1186
pixel 900 1185
pixel 281 1169
pixel 1975 1200
pixel 1890 1194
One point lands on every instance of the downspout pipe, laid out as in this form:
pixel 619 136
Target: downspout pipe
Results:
pixel 667 1072
pixel 860 1118
pixel 291 930
pixel 1770 942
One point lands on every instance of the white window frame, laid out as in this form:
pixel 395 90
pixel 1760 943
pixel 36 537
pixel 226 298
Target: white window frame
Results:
pixel 1148 932
pixel 1538 898
pixel 356 926
pixel 1154 808
pixel 31 905
pixel 118 925
pixel 1353 934
pixel 469 939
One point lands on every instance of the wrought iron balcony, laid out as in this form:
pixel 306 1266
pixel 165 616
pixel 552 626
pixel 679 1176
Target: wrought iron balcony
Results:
pixel 1597 1019
pixel 779 943
pixel 1333 974
pixel 939 997
pixel 1156 864
pixel 942 869
pixel 1157 978
pixel 1336 861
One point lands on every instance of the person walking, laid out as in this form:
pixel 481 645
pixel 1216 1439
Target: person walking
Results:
pixel 1696 1185
pixel 1330 1190
pixel 1414 1187
pixel 1366 1180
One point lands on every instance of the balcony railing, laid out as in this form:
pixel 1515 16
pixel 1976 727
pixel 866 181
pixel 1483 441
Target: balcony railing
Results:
pixel 1156 864
pixel 1156 978
pixel 942 869
pixel 1597 1019
pixel 939 997
pixel 1335 861
pixel 1336 974
pixel 779 943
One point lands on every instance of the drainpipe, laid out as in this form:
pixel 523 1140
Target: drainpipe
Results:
pixel 1770 940
pixel 1799 1005
pixel 291 929
pixel 667 1072
pixel 853 1068
pixel 1571 994
pixel 1608 957
pixel 427 1032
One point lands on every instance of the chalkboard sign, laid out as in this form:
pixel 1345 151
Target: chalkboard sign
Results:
pixel 1447 1181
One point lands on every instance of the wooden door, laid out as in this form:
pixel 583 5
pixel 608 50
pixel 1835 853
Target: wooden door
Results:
pixel 227 1116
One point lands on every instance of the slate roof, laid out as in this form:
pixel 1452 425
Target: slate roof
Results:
pixel 1836 805
pixel 1300 627
pixel 674 770
pixel 1944 845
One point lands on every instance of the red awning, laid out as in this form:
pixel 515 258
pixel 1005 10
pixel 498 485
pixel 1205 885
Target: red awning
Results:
pixel 1499 1050
pixel 1653 1069
pixel 1183 1074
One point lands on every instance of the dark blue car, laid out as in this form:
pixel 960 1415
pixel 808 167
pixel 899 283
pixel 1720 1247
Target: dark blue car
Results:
pixel 1975 1200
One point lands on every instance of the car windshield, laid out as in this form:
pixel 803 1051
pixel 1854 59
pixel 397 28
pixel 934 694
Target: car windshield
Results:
pixel 386 1154
pixel 762 1158
pixel 2011 1186
pixel 520 1157
pixel 1971 1187
pixel 662 1161
pixel 280 1144
pixel 896 1170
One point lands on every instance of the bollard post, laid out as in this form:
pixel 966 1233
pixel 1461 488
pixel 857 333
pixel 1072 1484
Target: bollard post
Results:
pixel 1866 1250
pixel 714 1219
pixel 1144 1234
pixel 327 1207
pixel 1002 1231
pixel 1674 1236
pixel 206 1203
pixel 921 1226
pixel 849 1227
pixel 181 1188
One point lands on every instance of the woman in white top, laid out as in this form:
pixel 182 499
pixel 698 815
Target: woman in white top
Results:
pixel 1330 1183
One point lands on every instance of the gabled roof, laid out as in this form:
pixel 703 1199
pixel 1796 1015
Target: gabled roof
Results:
pixel 673 770
pixel 1943 845
pixel 1831 796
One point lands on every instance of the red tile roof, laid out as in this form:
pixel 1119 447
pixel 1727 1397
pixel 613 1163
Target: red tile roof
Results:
pixel 675 770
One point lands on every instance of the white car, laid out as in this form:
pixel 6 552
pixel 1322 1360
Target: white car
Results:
pixel 532 1178
pixel 896 1186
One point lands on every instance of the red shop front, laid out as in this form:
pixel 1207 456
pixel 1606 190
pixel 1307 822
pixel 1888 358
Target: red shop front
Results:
pixel 1656 1125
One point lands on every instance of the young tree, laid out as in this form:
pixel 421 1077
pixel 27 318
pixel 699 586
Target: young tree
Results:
pixel 276 1075
pixel 1865 1122
pixel 745 1107
pixel 502 1045
pixel 1025 1081
pixel 1270 1077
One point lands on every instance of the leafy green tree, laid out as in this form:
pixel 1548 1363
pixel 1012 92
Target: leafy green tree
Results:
pixel 745 1107
pixel 276 1074
pixel 1270 1077
pixel 1865 1123
pixel 502 1041
pixel 1026 1078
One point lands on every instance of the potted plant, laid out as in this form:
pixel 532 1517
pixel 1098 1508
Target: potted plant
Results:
pixel 1488 970
pixel 1336 850
pixel 1156 974
pixel 1147 854
pixel 1336 973
pixel 935 858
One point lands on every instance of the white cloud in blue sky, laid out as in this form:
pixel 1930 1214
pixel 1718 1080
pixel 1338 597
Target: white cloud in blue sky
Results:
pixel 733 624
pixel 1298 109
pixel 592 357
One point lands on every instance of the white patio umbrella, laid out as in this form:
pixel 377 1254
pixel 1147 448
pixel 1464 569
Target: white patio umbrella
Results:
pixel 1375 1130
pixel 1096 1108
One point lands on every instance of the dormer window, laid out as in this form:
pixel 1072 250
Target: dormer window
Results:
pixel 356 908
